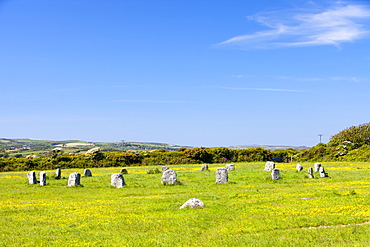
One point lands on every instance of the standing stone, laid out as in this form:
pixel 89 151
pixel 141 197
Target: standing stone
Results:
pixel 169 177
pixel 317 167
pixel 230 167
pixel 58 173
pixel 221 175
pixel 42 178
pixel 204 167
pixel 117 180
pixel 275 174
pixel 310 172
pixel 193 203
pixel 74 179
pixel 165 168
pixel 322 172
pixel 299 167
pixel 269 166
pixel 124 171
pixel 87 173
pixel 32 178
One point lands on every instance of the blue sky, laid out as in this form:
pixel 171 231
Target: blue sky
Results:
pixel 185 72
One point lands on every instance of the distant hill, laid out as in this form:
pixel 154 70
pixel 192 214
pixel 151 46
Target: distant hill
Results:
pixel 25 147
pixel 269 147
pixel 15 146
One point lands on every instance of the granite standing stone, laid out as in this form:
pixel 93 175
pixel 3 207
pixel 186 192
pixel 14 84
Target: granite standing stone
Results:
pixel 299 167
pixel 275 174
pixel 269 166
pixel 58 173
pixel 193 203
pixel 74 179
pixel 317 167
pixel 222 175
pixel 87 173
pixel 310 172
pixel 230 167
pixel 42 178
pixel 32 177
pixel 117 180
pixel 204 167
pixel 169 177
pixel 322 172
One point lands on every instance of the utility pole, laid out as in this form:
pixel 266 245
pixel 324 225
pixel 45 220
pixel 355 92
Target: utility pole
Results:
pixel 320 137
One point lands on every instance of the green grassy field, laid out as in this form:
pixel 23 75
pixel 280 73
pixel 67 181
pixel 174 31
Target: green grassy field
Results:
pixel 250 210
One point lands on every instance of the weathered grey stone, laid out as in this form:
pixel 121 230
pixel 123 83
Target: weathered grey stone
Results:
pixel 117 180
pixel 204 167
pixel 58 173
pixel 230 167
pixel 165 168
pixel 310 173
pixel 322 172
pixel 299 167
pixel 221 175
pixel 74 179
pixel 193 203
pixel 32 177
pixel 317 167
pixel 93 150
pixel 42 178
pixel 269 166
pixel 275 174
pixel 87 173
pixel 124 171
pixel 169 177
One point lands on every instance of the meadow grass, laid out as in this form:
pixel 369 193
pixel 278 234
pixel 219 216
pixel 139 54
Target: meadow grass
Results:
pixel 250 210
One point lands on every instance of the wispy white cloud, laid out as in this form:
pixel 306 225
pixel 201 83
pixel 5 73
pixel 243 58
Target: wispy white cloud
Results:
pixel 309 79
pixel 338 78
pixel 151 101
pixel 257 89
pixel 333 25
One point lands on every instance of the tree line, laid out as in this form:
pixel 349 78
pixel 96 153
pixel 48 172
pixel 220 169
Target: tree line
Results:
pixel 350 144
pixel 147 158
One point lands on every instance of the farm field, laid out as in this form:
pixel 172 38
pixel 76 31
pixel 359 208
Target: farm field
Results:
pixel 250 210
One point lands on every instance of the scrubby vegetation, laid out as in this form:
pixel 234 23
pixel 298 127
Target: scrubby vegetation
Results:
pixel 351 144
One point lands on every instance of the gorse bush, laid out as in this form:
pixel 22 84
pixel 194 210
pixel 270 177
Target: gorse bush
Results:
pixel 122 159
pixel 351 144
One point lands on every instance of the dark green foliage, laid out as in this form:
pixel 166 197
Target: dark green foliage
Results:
pixel 252 154
pixel 283 155
pixel 147 158
pixel 361 154
pixel 199 154
pixel 350 144
pixel 153 171
pixel 222 154
pixel 354 136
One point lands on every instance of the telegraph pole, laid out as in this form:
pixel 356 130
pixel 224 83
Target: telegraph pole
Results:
pixel 320 137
